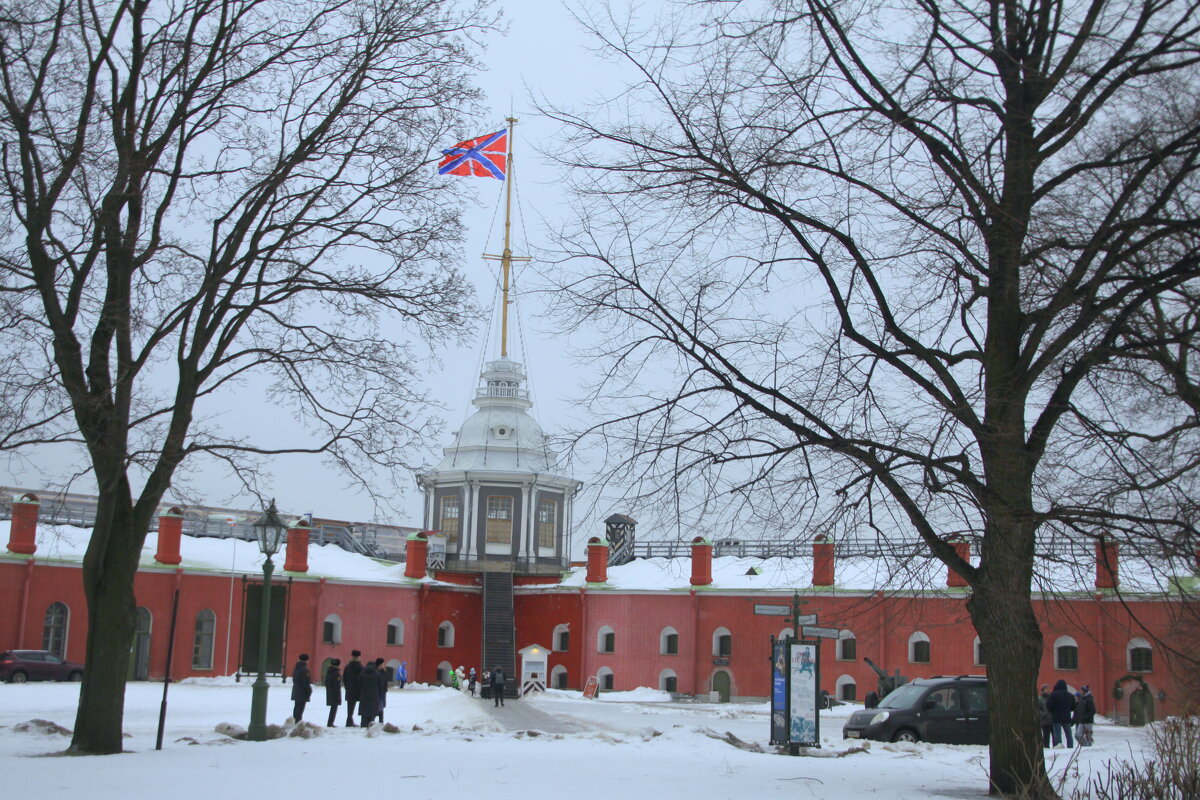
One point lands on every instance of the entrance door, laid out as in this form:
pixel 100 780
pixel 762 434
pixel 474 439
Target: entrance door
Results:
pixel 139 662
pixel 721 684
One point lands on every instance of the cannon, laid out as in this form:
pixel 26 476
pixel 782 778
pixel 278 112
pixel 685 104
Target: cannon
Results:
pixel 886 683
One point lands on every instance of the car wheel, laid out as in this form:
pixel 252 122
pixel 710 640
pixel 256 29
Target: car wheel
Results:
pixel 906 735
pixel 75 677
pixel 18 677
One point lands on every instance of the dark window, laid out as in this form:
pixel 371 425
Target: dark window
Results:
pixel 54 631
pixel 560 680
pixel 443 636
pixel 849 690
pixel 609 644
pixel 1141 659
pixel 564 641
pixel 328 632
pixel 725 645
pixel 669 684
pixel 441 675
pixel 393 634
pixel 920 651
pixel 607 682
pixel 1067 657
pixel 202 642
pixel 979 659
pixel 671 646
pixel 848 650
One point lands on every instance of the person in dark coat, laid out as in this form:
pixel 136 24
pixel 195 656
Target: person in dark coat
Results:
pixel 1085 717
pixel 472 679
pixel 301 687
pixel 383 686
pixel 1044 718
pixel 1061 705
pixel 371 689
pixel 351 679
pixel 496 681
pixel 333 690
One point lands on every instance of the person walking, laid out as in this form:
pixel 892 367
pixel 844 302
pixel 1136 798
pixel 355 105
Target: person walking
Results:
pixel 371 689
pixel 301 687
pixel 402 674
pixel 1061 704
pixel 333 690
pixel 1085 717
pixel 472 679
pixel 497 684
pixel 1047 722
pixel 352 679
pixel 383 686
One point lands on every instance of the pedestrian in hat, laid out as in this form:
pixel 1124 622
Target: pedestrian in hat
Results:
pixel 333 689
pixel 301 687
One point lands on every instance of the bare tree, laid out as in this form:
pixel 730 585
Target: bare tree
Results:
pixel 204 191
pixel 901 256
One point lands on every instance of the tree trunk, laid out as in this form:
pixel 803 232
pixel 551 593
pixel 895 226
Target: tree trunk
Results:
pixel 109 567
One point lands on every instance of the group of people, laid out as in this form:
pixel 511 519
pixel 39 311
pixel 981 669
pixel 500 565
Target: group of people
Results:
pixel 469 682
pixel 1060 711
pixel 365 686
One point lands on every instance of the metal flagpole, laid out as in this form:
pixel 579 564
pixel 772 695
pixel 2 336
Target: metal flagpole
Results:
pixel 506 257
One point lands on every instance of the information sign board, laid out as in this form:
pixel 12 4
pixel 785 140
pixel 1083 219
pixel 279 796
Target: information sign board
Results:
pixel 804 726
pixel 772 611
pixel 820 633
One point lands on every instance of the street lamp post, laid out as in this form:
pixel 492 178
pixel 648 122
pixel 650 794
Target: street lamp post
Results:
pixel 269 528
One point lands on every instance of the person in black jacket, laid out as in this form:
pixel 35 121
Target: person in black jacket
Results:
pixel 301 687
pixel 370 685
pixel 352 679
pixel 1085 717
pixel 1044 718
pixel 383 686
pixel 496 681
pixel 1061 705
pixel 333 690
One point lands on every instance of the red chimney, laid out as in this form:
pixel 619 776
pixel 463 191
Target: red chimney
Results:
pixel 416 554
pixel 170 533
pixel 953 579
pixel 597 560
pixel 1106 564
pixel 22 533
pixel 701 561
pixel 296 559
pixel 822 561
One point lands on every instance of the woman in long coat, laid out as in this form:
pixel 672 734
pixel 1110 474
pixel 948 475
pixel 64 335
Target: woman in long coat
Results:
pixel 333 690
pixel 370 686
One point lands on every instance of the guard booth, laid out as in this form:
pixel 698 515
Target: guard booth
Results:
pixel 534 668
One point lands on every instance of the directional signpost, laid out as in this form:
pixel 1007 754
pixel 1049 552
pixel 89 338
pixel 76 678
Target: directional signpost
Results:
pixel 811 631
pixel 795 677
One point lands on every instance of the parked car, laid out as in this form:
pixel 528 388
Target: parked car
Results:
pixel 18 666
pixel 943 709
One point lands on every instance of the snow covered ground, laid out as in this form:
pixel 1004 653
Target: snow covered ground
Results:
pixel 623 746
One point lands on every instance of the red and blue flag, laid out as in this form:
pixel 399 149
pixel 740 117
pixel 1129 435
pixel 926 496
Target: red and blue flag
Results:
pixel 481 157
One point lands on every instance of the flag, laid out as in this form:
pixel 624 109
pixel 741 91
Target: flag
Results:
pixel 481 157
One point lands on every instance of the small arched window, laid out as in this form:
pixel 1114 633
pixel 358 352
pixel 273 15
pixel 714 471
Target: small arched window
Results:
pixel 1066 653
pixel 606 640
pixel 667 681
pixel 443 673
pixel 558 677
pixel 1141 657
pixel 847 646
pixel 919 651
pixel 561 638
pixel 722 645
pixel 202 641
pixel 331 630
pixel 605 676
pixel 54 629
pixel 846 688
pixel 395 631
pixel 786 633
pixel 668 642
pixel 446 634
pixel 979 662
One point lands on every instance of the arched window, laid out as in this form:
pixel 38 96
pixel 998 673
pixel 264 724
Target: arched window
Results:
pixel 668 642
pixel 54 629
pixel 605 675
pixel 561 638
pixel 667 681
pixel 847 646
pixel 918 648
pixel 722 644
pixel 1141 657
pixel 499 519
pixel 547 523
pixel 446 634
pixel 391 667
pixel 558 677
pixel 846 688
pixel 786 633
pixel 202 642
pixel 1066 653
pixel 395 631
pixel 451 517
pixel 979 662
pixel 443 673
pixel 606 640
pixel 331 631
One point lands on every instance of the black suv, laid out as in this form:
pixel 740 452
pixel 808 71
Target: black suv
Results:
pixel 948 710
pixel 18 666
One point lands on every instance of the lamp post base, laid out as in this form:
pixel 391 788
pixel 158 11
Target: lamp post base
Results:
pixel 257 732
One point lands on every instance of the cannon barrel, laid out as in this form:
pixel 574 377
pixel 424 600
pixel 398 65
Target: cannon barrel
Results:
pixel 871 664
